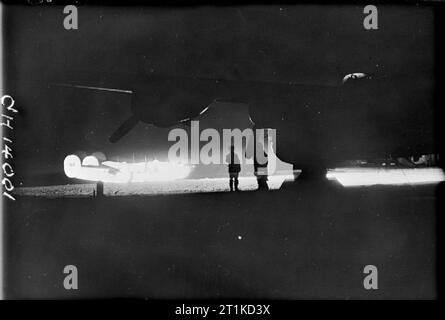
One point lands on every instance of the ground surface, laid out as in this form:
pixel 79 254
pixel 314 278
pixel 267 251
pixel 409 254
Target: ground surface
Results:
pixel 147 188
pixel 304 241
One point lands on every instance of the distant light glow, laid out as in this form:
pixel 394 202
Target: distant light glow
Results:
pixel 350 177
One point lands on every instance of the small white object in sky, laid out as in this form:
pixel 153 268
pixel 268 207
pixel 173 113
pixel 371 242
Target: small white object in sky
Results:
pixel 204 110
pixel 355 75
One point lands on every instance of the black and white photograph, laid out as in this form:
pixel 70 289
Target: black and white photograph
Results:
pixel 246 151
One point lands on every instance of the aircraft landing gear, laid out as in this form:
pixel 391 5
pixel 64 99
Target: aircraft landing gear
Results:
pixel 262 182
pixel 312 174
pixel 99 189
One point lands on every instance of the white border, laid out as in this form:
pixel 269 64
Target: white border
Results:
pixel 1 139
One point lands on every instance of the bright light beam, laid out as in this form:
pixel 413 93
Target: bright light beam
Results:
pixel 353 177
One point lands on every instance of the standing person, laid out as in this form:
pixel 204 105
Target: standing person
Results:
pixel 234 168
pixel 255 148
pixel 260 171
pixel 260 168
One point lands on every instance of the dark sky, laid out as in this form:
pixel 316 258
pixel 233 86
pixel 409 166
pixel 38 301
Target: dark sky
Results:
pixel 118 47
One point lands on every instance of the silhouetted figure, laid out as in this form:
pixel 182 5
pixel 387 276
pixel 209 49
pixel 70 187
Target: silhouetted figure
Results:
pixel 260 169
pixel 234 168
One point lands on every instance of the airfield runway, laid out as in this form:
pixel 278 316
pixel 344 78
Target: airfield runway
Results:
pixel 148 188
pixel 303 241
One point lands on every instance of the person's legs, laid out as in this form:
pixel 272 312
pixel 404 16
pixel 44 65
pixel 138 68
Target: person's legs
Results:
pixel 262 182
pixel 236 182
pixel 231 182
